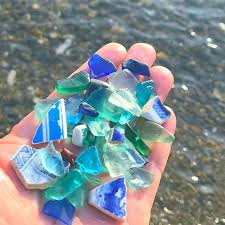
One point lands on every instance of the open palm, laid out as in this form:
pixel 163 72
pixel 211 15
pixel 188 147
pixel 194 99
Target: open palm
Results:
pixel 19 206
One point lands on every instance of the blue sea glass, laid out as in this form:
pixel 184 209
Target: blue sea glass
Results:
pixel 87 110
pixel 62 211
pixel 136 67
pixel 117 136
pixel 100 67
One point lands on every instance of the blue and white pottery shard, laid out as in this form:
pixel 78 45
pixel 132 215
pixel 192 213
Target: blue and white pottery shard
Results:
pixel 28 166
pixel 110 198
pixel 155 111
pixel 53 126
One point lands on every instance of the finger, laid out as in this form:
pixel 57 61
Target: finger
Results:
pixel 26 128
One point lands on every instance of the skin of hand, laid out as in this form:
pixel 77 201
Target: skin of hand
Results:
pixel 22 207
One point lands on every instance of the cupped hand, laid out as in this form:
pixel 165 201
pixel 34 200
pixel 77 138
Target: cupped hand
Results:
pixel 19 206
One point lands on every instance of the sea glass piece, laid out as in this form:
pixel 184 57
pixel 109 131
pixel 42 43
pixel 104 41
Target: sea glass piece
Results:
pixel 115 154
pixel 136 67
pixel 138 178
pixel 139 145
pixel 92 180
pixel 126 117
pixel 76 84
pixel 124 99
pixel 100 67
pixel 79 135
pixel 72 104
pixel 99 127
pixel 89 140
pixel 123 79
pixel 155 111
pixel 110 198
pixel 78 197
pixel 89 162
pixel 144 92
pixel 28 166
pixel 96 84
pixel 65 185
pixel 87 110
pixel 53 127
pixel 99 100
pixel 150 132
pixel 51 160
pixel 116 136
pixel 43 106
pixel 62 211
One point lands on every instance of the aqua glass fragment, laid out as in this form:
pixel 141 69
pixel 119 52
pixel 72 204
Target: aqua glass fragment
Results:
pixel 151 132
pixel 99 100
pixel 138 178
pixel 96 84
pixel 123 79
pixel 65 185
pixel 136 67
pixel 99 127
pixel 76 84
pixel 126 117
pixel 100 67
pixel 87 110
pixel 155 111
pixel 144 92
pixel 51 160
pixel 89 140
pixel 140 146
pixel 62 211
pixel 80 133
pixel 114 154
pixel 53 127
pixel 89 162
pixel 110 198
pixel 43 106
pixel 123 98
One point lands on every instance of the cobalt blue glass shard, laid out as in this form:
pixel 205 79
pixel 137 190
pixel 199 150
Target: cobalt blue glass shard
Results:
pixel 116 136
pixel 62 211
pixel 100 67
pixel 110 198
pixel 87 110
pixel 155 111
pixel 89 162
pixel 53 127
pixel 136 67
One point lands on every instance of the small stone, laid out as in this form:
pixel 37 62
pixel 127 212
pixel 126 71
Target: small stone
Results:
pixel 53 127
pixel 28 166
pixel 100 67
pixel 138 178
pixel 136 67
pixel 89 162
pixel 144 92
pixel 43 106
pixel 110 198
pixel 65 185
pixel 139 145
pixel 88 110
pixel 116 136
pixel 151 132
pixel 123 79
pixel 155 111
pixel 60 210
pixel 123 98
pixel 99 127
pixel 115 154
pixel 79 135
pixel 76 84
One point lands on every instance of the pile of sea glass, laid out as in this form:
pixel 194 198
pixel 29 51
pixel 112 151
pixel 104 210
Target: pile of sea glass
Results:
pixel 99 128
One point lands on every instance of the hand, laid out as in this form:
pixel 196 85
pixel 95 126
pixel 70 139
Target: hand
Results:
pixel 19 206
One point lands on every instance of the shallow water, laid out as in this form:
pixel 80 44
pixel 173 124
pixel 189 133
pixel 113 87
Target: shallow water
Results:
pixel 41 41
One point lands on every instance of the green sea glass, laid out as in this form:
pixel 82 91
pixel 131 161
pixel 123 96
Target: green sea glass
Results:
pixel 98 127
pixel 65 185
pixel 43 106
pixel 144 92
pixel 78 83
pixel 123 98
pixel 140 146
pixel 138 178
pixel 114 154
pixel 150 132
